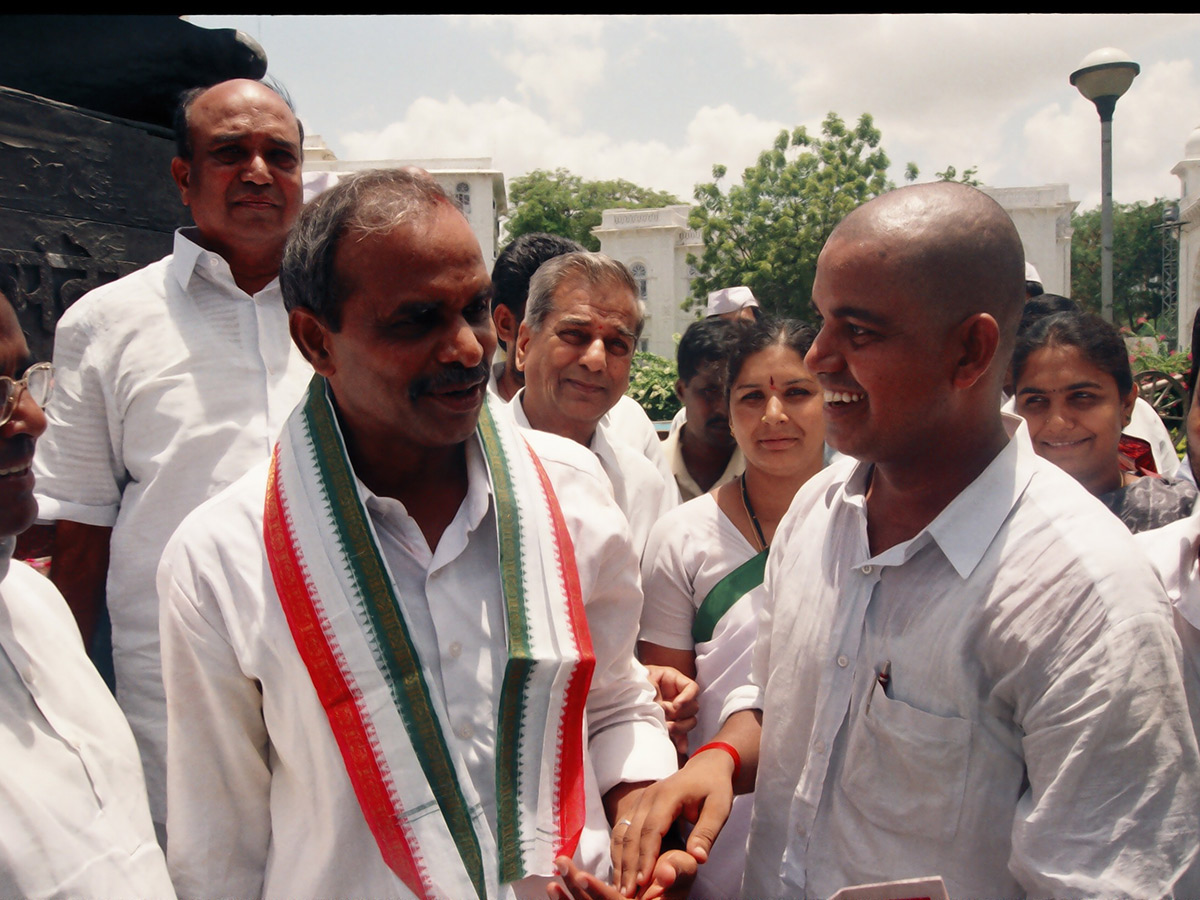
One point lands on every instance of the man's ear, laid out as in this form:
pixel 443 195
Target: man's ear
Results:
pixel 311 336
pixel 506 325
pixel 975 342
pixel 181 171
pixel 1127 404
pixel 679 389
pixel 523 336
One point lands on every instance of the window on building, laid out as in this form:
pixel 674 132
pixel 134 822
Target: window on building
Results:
pixel 638 271
pixel 462 194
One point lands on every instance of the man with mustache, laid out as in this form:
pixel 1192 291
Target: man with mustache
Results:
pixel 704 455
pixel 173 381
pixel 575 346
pixel 76 820
pixel 399 660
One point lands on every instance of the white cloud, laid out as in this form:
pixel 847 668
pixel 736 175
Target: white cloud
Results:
pixel 519 140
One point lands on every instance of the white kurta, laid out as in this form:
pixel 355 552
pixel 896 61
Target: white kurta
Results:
pixel 260 802
pixel 1034 737
pixel 644 493
pixel 689 552
pixel 171 383
pixel 1174 551
pixel 75 820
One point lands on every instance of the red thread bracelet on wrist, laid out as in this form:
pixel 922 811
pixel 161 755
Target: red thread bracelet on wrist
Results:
pixel 728 748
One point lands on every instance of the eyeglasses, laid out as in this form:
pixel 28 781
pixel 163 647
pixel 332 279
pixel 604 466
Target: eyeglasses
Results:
pixel 38 380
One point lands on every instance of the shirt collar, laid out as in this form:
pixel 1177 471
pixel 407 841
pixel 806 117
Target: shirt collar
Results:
pixel 966 527
pixel 188 258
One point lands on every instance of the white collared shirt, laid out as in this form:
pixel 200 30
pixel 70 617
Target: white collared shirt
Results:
pixel 1033 737
pixel 75 821
pixel 672 449
pixel 171 383
pixel 643 493
pixel 260 801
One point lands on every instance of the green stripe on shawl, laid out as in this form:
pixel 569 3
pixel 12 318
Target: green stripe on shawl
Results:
pixel 391 641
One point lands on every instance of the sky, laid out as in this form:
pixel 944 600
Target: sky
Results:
pixel 658 100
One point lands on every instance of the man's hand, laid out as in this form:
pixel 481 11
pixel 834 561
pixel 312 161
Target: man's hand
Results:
pixel 678 696
pixel 671 879
pixel 701 792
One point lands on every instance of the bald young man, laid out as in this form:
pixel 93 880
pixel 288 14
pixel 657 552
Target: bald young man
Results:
pixel 964 668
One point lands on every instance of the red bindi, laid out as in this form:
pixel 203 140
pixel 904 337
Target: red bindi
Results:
pixel 772 382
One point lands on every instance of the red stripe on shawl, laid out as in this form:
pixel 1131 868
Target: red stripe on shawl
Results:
pixel 340 700
pixel 569 787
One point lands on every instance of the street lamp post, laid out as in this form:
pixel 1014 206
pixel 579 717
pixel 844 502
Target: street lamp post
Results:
pixel 1102 77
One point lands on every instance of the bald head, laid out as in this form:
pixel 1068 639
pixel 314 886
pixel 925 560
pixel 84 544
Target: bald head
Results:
pixel 949 243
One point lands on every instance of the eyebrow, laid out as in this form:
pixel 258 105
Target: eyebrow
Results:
pixel 234 137
pixel 1032 389
pixel 857 312
pixel 582 321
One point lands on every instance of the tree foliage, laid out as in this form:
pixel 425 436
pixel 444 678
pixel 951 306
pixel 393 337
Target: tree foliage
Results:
pixel 967 176
pixel 564 204
pixel 1137 262
pixel 767 232
pixel 652 384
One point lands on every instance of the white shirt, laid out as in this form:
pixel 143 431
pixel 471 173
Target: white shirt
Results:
pixel 260 802
pixel 1174 551
pixel 75 821
pixel 642 491
pixel 1034 736
pixel 631 423
pixel 688 488
pixel 689 552
pixel 171 383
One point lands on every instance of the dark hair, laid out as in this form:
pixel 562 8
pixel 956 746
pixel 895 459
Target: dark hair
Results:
pixel 1034 289
pixel 187 99
pixel 372 202
pixel 706 341
pixel 1194 371
pixel 750 338
pixel 1038 308
pixel 518 261
pixel 1097 340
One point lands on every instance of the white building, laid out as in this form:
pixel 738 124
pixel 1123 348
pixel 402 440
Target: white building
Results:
pixel 1188 170
pixel 655 243
pixel 478 188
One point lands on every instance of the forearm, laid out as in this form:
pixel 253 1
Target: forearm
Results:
pixel 79 569
pixel 743 732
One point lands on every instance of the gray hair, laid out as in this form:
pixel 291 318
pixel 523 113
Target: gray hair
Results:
pixel 589 268
pixel 372 202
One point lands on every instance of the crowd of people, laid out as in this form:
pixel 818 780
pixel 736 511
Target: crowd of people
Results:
pixel 390 619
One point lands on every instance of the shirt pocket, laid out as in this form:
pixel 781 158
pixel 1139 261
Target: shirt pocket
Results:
pixel 906 769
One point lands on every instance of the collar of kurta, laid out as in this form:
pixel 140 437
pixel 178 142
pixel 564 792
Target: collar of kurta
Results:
pixel 341 604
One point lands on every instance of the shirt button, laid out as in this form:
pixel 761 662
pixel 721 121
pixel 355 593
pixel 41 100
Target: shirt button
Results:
pixel 867 570
pixel 819 747
pixel 465 731
pixel 455 650
pixel 842 662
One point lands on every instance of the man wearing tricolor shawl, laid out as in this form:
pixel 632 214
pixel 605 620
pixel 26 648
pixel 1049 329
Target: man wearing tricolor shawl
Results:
pixel 399 661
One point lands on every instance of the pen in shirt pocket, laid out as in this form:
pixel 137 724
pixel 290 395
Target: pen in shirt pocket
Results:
pixel 883 678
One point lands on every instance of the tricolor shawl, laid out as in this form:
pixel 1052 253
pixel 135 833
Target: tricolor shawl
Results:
pixel 341 606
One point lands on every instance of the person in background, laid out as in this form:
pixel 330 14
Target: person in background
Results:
pixel 1075 390
pixel 173 382
pixel 704 455
pixel 736 304
pixel 705 561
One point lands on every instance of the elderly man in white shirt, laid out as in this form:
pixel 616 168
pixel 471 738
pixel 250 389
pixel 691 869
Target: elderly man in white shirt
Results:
pixel 76 819
pixel 173 382
pixel 575 347
pixel 400 662
pixel 964 668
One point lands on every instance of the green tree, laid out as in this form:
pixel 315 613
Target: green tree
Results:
pixel 564 204
pixel 967 177
pixel 652 384
pixel 767 232
pixel 1137 262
